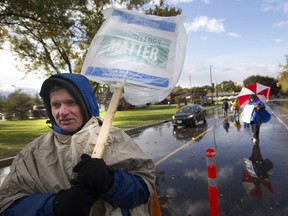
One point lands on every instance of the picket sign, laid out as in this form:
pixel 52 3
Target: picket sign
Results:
pixel 144 52
pixel 247 112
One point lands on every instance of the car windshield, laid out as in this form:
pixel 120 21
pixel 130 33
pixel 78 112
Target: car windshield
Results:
pixel 187 109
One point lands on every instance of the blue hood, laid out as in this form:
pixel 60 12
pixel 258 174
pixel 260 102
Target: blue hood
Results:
pixel 79 87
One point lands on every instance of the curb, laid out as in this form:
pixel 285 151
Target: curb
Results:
pixel 6 162
pixel 133 131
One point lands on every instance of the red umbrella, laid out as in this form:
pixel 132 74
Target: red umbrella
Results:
pixel 261 92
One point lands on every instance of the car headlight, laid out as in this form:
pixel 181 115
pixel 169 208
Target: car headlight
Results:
pixel 173 117
pixel 190 116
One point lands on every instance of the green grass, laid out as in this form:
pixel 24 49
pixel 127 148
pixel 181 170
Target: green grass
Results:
pixel 134 118
pixel 14 135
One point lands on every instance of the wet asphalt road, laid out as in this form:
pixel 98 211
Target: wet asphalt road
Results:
pixel 179 155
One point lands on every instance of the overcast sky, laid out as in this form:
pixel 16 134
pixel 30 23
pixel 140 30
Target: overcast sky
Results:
pixel 237 38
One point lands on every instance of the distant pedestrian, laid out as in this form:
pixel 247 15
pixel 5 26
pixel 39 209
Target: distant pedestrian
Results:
pixel 236 108
pixel 225 106
pixel 258 116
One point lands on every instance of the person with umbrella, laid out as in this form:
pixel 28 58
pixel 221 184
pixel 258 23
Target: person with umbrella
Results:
pixel 259 115
pixel 255 96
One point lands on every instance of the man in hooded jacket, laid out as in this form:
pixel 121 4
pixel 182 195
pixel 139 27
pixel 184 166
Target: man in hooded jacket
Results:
pixel 54 174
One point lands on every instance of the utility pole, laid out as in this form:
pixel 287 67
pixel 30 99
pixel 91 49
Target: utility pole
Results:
pixel 212 84
pixel 191 88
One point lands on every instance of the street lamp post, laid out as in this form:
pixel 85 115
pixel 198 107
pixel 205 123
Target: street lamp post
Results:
pixel 212 86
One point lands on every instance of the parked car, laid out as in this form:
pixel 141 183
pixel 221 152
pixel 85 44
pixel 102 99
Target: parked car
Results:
pixel 189 115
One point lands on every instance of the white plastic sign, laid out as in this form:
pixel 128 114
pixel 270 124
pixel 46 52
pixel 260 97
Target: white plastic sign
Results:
pixel 146 53
pixel 247 112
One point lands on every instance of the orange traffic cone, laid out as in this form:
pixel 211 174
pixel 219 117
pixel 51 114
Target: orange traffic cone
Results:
pixel 155 209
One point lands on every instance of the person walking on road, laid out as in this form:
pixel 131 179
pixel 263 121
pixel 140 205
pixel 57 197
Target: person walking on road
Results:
pixel 55 174
pixel 225 106
pixel 236 109
pixel 258 116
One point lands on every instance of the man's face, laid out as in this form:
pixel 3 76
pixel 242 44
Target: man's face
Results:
pixel 66 112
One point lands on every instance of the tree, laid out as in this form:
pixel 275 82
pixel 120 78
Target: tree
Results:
pixel 283 77
pixel 50 36
pixel 2 101
pixel 53 36
pixel 164 10
pixel 17 105
pixel 228 86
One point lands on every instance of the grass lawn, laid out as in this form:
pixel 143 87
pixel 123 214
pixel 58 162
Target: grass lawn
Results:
pixel 134 118
pixel 14 135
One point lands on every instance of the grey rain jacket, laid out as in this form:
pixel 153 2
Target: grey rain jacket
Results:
pixel 45 165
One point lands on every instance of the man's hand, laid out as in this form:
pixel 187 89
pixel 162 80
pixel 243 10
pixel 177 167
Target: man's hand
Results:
pixel 93 173
pixel 74 201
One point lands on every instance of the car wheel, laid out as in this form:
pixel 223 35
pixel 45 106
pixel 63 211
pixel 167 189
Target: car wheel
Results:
pixel 195 122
